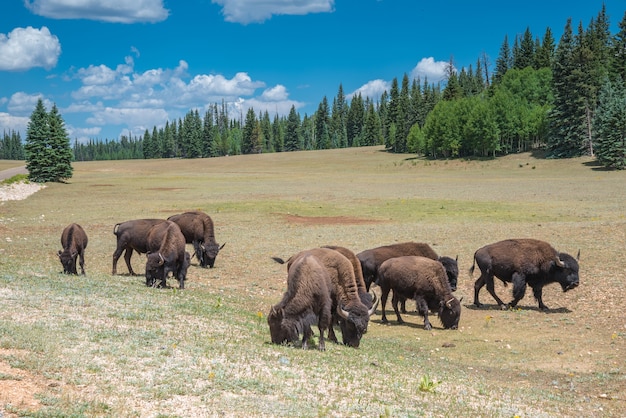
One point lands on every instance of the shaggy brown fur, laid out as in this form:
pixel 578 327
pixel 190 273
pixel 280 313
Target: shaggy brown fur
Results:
pixel 74 241
pixel 424 280
pixel 166 253
pixel 351 313
pixel 306 300
pixel 365 297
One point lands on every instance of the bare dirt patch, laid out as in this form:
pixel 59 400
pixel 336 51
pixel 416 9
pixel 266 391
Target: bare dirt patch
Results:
pixel 19 388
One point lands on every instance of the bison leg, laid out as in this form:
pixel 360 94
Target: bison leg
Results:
pixel 116 256
pixel 422 309
pixel 538 293
pixel 519 288
pixel 394 302
pixel 331 334
pixel 81 255
pixel 402 305
pixel 383 302
pixel 127 254
pixel 478 284
pixel 488 280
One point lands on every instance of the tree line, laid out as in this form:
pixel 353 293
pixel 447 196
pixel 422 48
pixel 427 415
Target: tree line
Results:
pixel 567 98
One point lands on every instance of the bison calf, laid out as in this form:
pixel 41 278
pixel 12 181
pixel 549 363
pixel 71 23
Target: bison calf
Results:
pixel 74 242
pixel 306 301
pixel 422 279
pixel 523 262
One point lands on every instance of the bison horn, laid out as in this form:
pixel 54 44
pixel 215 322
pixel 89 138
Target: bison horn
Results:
pixel 374 305
pixel 342 313
pixel 162 259
pixel 578 256
pixel 560 262
pixel 449 303
pixel 221 246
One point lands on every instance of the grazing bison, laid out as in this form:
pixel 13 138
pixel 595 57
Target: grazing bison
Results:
pixel 166 254
pixel 348 310
pixel 197 228
pixel 306 301
pixel 523 262
pixel 422 279
pixel 373 258
pixel 74 242
pixel 132 235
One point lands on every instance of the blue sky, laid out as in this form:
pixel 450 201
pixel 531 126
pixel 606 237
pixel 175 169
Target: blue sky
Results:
pixel 119 66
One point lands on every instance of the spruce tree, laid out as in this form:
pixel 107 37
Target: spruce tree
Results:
pixel 610 125
pixel 504 61
pixel 48 151
pixel 292 131
pixel 618 63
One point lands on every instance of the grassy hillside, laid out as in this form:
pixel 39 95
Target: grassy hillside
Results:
pixel 105 345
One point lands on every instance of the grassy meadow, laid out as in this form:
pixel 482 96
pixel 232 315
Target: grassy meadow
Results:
pixel 103 345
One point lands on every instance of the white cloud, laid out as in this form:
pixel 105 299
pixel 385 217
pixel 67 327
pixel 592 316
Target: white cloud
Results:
pixel 249 11
pixel 372 89
pixel 25 48
pixel 115 11
pixel 24 104
pixel 10 123
pixel 431 70
pixel 138 120
pixel 278 92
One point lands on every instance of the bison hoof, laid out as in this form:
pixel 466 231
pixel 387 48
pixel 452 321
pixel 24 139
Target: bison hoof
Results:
pixel 478 304
pixel 384 321
pixel 428 327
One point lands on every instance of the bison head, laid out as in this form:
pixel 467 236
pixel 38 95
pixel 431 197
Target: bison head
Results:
pixel 208 253
pixel 452 270
pixel 353 322
pixel 68 260
pixel 567 274
pixel 450 313
pixel 281 331
pixel 155 270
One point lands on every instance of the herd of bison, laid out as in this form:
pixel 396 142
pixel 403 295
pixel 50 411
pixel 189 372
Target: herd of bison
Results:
pixel 331 285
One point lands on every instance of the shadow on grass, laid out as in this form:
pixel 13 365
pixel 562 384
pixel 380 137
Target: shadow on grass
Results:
pixel 495 307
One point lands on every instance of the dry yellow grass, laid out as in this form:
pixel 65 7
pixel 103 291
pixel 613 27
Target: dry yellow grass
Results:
pixel 103 345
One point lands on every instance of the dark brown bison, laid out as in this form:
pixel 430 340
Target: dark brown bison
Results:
pixel 523 262
pixel 198 230
pixel 348 310
pixel 166 254
pixel 306 301
pixel 74 242
pixel 132 235
pixel 371 259
pixel 422 279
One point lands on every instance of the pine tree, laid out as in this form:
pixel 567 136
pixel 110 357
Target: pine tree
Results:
pixel 504 61
pixel 525 56
pixel 618 62
pixel 292 131
pixel 545 53
pixel 251 135
pixel 48 151
pixel 610 124
pixel 322 129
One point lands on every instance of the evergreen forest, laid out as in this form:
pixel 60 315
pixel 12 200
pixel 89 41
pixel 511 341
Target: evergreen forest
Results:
pixel 567 98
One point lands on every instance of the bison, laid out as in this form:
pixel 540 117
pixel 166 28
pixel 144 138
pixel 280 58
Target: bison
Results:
pixel 348 310
pixel 132 235
pixel 197 227
pixel 371 259
pixel 422 279
pixel 306 301
pixel 74 242
pixel 523 262
pixel 166 253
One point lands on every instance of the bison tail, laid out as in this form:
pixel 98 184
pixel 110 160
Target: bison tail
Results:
pixel 471 270
pixel 278 260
